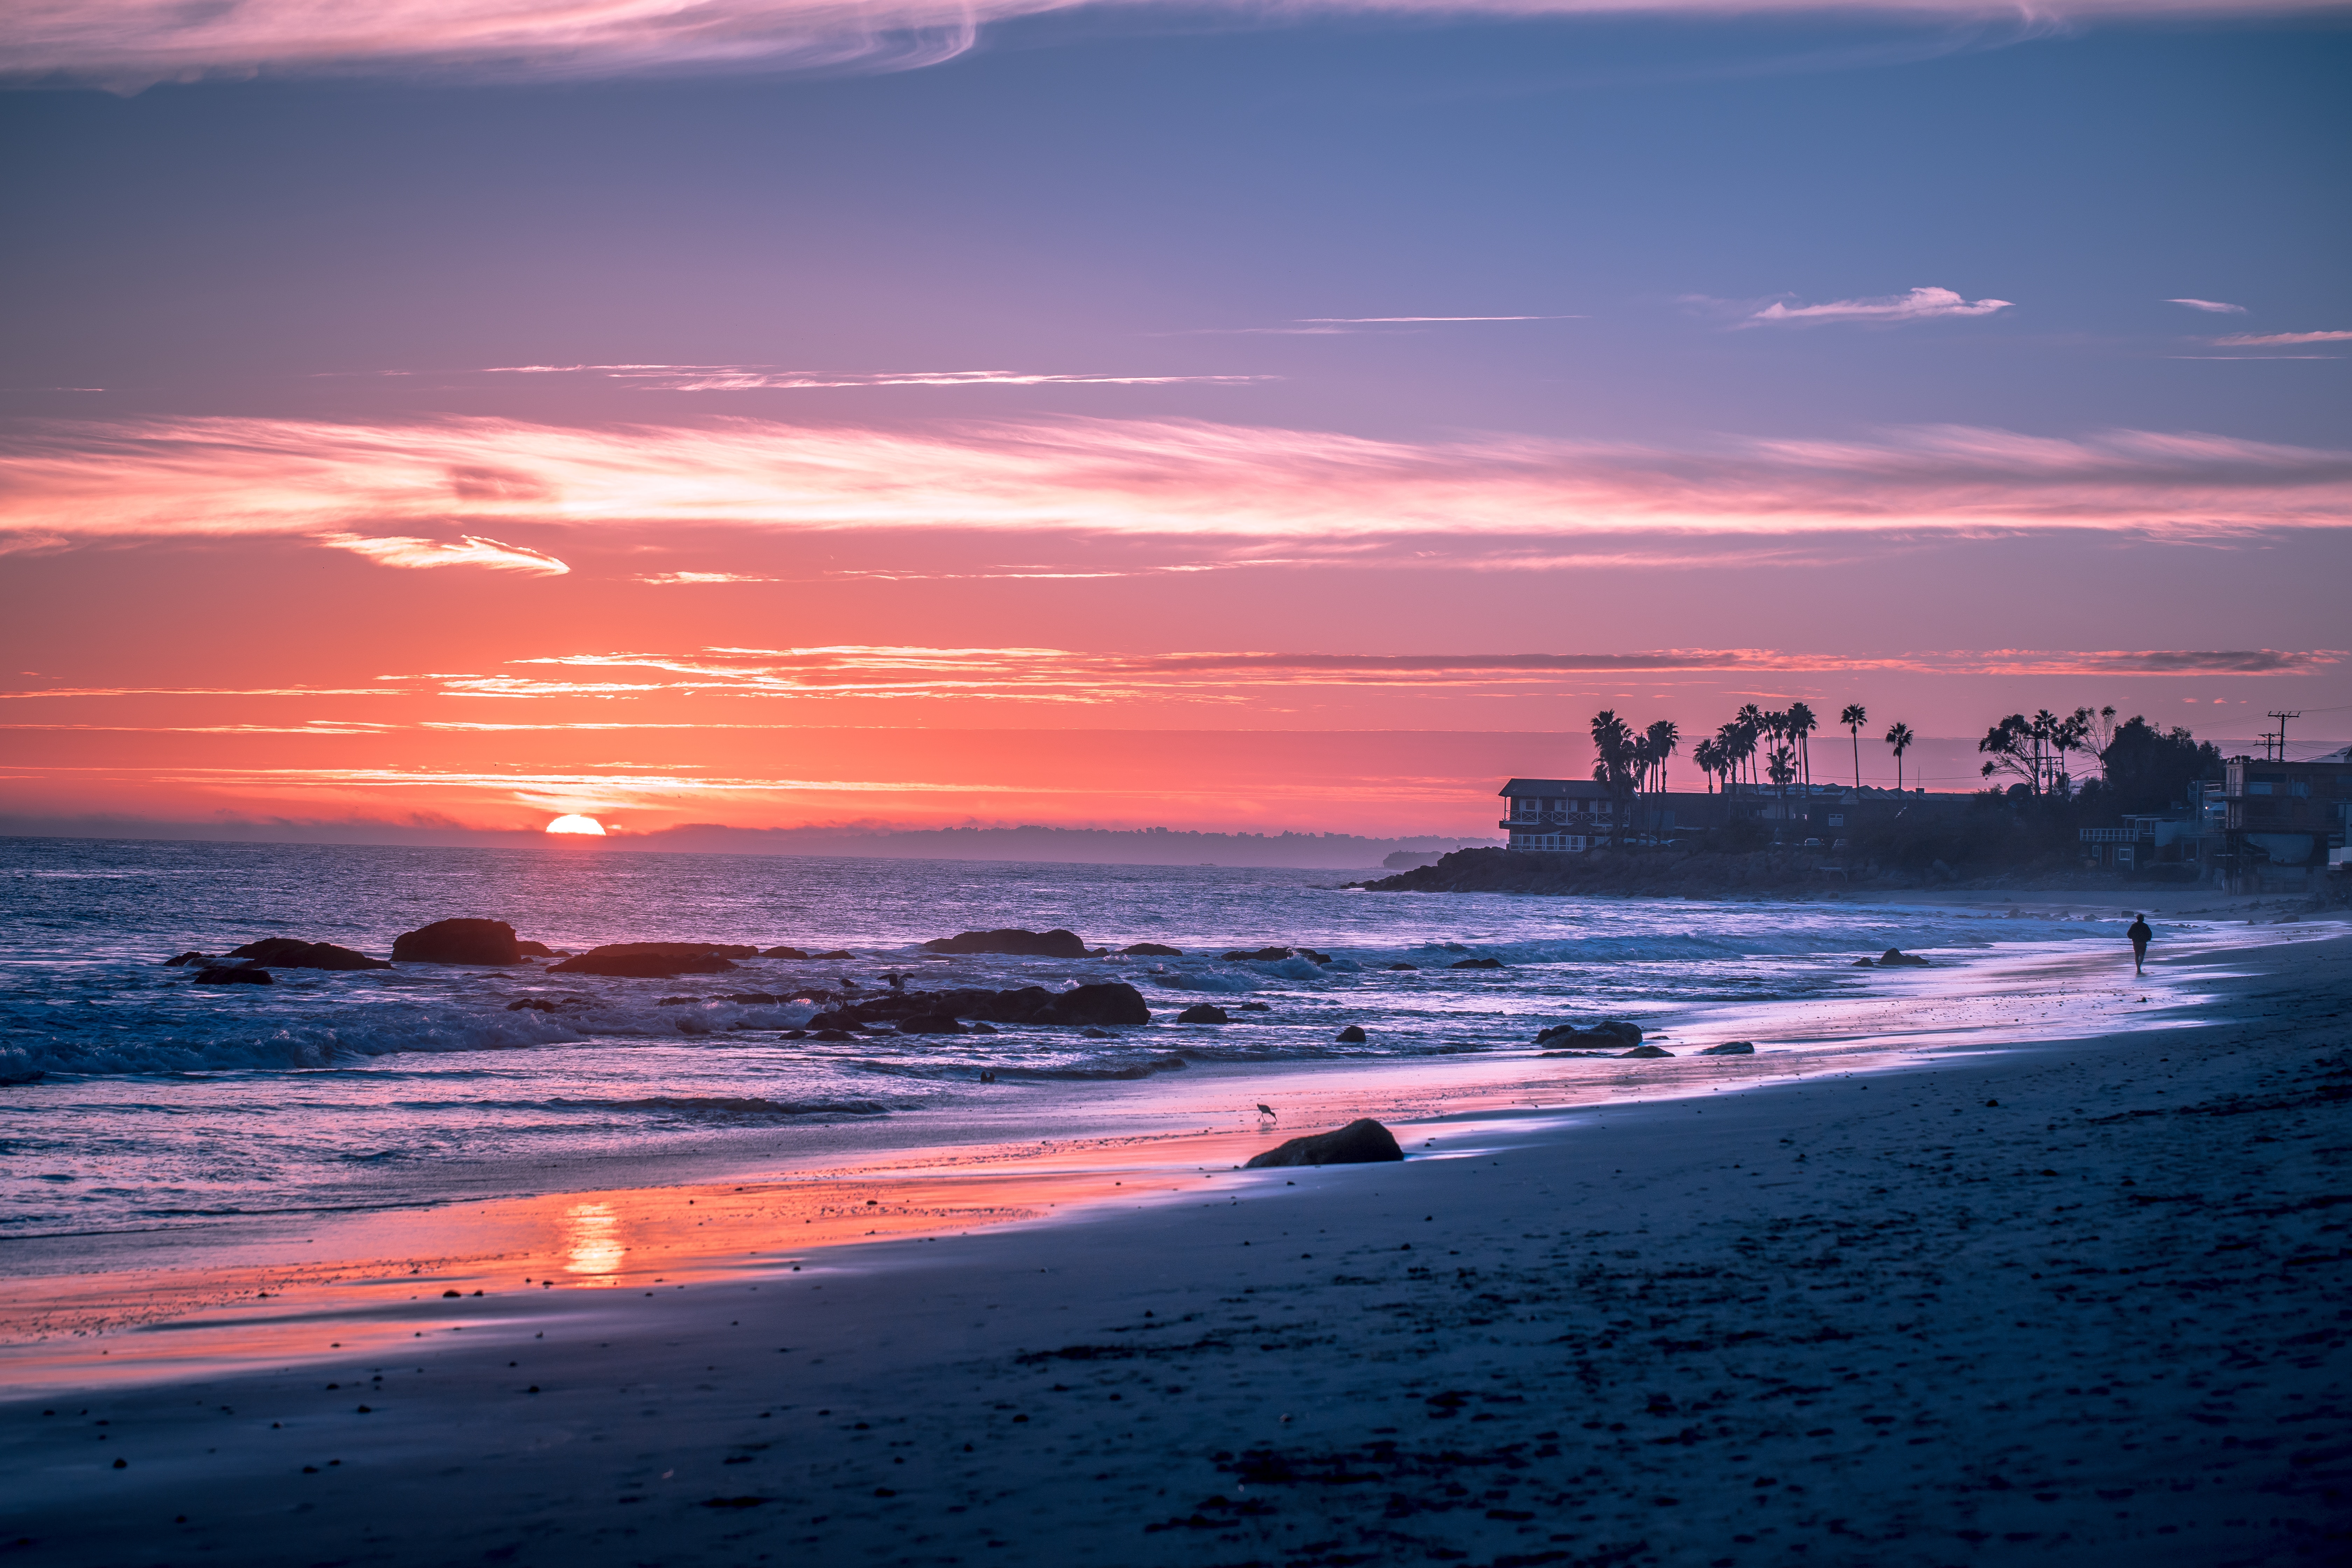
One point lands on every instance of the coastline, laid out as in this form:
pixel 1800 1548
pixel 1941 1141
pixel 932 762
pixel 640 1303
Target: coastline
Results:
pixel 1585 1340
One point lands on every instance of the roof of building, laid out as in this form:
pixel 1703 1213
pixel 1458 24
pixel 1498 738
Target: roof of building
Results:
pixel 1579 789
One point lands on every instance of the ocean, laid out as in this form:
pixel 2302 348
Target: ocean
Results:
pixel 136 1101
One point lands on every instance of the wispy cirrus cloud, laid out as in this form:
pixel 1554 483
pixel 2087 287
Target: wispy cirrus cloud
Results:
pixel 2281 340
pixel 1919 305
pixel 2212 307
pixel 130 44
pixel 766 378
pixel 465 551
pixel 448 491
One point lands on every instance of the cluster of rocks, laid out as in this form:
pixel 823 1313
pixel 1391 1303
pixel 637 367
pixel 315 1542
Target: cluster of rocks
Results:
pixel 1893 958
pixel 1113 1004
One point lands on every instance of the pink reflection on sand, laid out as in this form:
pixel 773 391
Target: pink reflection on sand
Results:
pixel 592 1244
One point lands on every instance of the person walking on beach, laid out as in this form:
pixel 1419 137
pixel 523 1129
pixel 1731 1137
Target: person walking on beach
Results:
pixel 2139 934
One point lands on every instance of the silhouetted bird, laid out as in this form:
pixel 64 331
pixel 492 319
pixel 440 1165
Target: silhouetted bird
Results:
pixel 1266 1111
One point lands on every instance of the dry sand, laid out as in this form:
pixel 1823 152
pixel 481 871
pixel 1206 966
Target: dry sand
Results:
pixel 2071 1300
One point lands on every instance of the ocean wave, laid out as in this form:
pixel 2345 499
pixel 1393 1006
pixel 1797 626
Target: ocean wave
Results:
pixel 180 1045
pixel 730 1107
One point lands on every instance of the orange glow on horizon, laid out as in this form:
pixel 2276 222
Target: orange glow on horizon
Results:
pixel 587 826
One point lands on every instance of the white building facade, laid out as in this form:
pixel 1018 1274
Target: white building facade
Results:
pixel 1556 813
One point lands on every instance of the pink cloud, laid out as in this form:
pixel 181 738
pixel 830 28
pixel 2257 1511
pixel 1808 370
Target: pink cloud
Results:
pixel 132 44
pixel 2281 340
pixel 1919 305
pixel 395 492
pixel 467 550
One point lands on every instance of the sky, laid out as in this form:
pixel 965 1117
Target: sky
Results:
pixel 774 412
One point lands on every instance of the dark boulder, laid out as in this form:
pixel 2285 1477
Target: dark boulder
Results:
pixel 1258 955
pixel 284 952
pixel 1476 964
pixel 1414 967
pixel 1731 1048
pixel 1895 958
pixel 1862 963
pixel 781 952
pixel 645 961
pixel 1203 1013
pixel 1054 944
pixel 1646 1051
pixel 1608 1032
pixel 240 975
pixel 1363 1142
pixel 1111 1003
pixel 190 956
pixel 1253 1007
pixel 1353 1034
pixel 457 941
pixel 930 1023
pixel 837 953
pixel 537 950
pixel 1151 950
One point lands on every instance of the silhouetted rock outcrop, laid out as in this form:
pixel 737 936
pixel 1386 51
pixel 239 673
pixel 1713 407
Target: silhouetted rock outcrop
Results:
pixel 1111 1003
pixel 1731 1048
pixel 1476 964
pixel 1203 1013
pixel 781 952
pixel 1054 944
pixel 190 956
pixel 457 941
pixel 1647 1051
pixel 1353 1034
pixel 652 960
pixel 284 952
pixel 1362 1143
pixel 234 974
pixel 1895 958
pixel 1151 950
pixel 1609 1032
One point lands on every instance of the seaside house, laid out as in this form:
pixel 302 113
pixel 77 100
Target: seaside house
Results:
pixel 2284 822
pixel 1556 813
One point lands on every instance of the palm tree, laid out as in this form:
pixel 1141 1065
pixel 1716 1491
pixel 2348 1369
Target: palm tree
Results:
pixel 1735 743
pixel 1613 740
pixel 1853 719
pixel 1782 767
pixel 1664 738
pixel 1900 737
pixel 1750 720
pixel 1708 755
pixel 1802 722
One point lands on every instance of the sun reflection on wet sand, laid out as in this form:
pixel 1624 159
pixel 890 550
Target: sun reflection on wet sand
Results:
pixel 592 1244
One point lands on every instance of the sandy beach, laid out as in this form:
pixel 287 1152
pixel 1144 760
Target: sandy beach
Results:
pixel 2055 1273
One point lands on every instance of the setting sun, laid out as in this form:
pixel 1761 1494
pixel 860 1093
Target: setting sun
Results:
pixel 583 825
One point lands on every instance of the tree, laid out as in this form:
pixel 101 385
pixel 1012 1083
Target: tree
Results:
pixel 1750 720
pixel 1853 719
pixel 1664 737
pixel 1802 722
pixel 1782 767
pixel 2013 749
pixel 2149 770
pixel 1708 755
pixel 1899 736
pixel 1613 741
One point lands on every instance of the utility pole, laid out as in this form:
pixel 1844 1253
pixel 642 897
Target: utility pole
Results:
pixel 2282 717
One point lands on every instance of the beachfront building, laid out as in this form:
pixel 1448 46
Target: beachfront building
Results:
pixel 2286 822
pixel 1556 813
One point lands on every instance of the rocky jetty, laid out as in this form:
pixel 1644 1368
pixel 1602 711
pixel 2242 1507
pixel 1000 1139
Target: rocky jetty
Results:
pixel 1054 944
pixel 1361 1142
pixel 1110 1003
pixel 654 960
pixel 457 941
pixel 284 952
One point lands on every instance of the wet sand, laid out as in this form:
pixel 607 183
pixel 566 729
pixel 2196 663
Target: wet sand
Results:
pixel 1852 1311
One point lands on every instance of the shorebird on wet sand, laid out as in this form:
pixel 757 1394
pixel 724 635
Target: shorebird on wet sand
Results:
pixel 1267 1110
